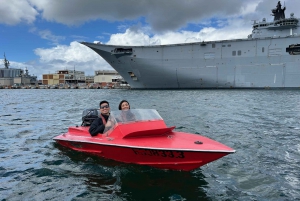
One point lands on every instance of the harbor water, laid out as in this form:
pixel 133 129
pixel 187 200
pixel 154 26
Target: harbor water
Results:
pixel 263 126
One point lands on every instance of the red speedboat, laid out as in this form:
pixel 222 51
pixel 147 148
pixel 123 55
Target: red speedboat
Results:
pixel 141 136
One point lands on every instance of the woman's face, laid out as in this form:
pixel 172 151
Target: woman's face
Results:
pixel 125 106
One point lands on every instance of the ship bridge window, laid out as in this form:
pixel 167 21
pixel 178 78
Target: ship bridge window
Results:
pixel 233 53
pixel 123 50
pixel 229 45
pixel 223 45
pixel 213 45
pixel 239 52
pixel 263 49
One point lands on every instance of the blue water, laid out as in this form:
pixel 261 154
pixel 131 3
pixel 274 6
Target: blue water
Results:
pixel 263 126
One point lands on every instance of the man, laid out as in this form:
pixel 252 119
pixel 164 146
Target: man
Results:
pixel 98 124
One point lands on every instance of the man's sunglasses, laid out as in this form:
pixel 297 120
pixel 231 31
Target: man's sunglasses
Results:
pixel 105 106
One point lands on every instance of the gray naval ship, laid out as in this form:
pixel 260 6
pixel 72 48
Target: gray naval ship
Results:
pixel 268 58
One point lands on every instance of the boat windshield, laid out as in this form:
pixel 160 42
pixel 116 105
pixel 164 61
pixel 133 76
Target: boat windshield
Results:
pixel 131 116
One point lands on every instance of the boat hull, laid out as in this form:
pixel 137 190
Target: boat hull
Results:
pixel 158 158
pixel 173 150
pixel 145 139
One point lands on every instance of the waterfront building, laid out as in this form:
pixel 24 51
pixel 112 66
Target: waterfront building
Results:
pixel 64 77
pixel 89 79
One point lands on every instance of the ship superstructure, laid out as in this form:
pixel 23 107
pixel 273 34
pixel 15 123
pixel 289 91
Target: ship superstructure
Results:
pixel 268 58
pixel 13 76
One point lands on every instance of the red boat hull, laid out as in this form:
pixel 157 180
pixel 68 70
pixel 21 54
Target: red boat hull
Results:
pixel 172 150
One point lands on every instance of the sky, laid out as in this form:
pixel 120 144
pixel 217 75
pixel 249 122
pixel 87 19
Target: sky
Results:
pixel 43 35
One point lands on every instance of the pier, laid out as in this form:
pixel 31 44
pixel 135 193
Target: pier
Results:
pixel 67 86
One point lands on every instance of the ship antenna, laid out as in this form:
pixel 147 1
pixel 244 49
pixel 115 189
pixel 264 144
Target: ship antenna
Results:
pixel 254 21
pixel 6 62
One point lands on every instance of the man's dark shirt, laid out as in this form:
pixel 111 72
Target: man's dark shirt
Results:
pixel 97 126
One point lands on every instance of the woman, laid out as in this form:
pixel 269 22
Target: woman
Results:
pixel 125 115
pixel 124 105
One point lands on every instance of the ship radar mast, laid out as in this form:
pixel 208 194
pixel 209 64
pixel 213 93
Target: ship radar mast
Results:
pixel 6 62
pixel 26 71
pixel 278 12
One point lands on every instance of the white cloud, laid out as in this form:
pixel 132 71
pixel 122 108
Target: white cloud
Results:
pixel 236 29
pixel 161 15
pixel 130 37
pixel 32 68
pixel 46 34
pixel 16 11
pixel 68 57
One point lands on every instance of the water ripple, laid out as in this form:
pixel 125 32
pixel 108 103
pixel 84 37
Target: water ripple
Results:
pixel 261 125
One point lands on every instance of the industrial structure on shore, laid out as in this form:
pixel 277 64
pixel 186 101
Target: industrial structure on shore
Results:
pixel 77 79
pixel 63 79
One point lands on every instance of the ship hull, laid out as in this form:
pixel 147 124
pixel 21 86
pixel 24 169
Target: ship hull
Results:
pixel 245 63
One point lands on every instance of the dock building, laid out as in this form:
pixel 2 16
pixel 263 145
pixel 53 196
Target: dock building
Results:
pixel 64 77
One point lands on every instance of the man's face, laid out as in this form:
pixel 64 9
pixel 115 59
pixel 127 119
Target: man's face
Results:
pixel 104 108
